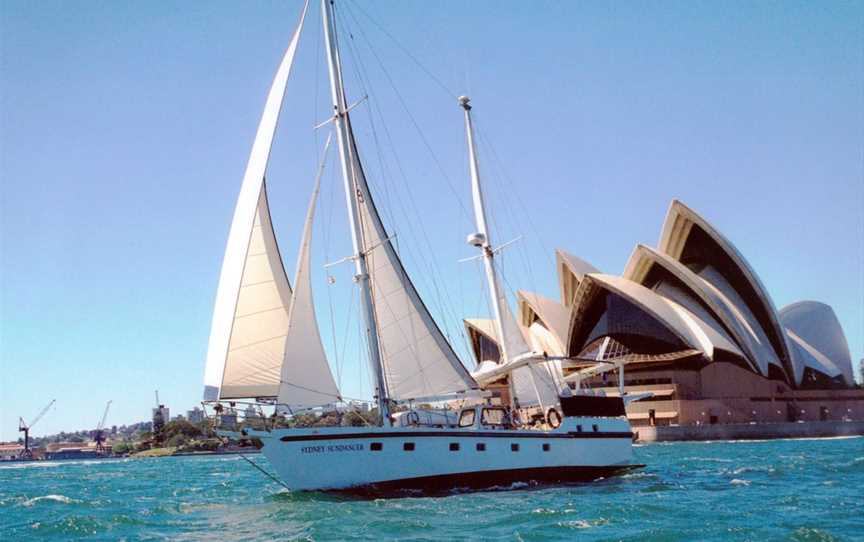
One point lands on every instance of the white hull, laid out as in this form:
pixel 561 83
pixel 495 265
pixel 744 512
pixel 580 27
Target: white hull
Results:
pixel 382 459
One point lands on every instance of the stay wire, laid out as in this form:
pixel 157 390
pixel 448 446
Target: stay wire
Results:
pixel 445 303
pixel 416 125
pixel 402 48
pixel 267 474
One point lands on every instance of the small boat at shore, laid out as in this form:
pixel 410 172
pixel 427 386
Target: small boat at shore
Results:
pixel 265 347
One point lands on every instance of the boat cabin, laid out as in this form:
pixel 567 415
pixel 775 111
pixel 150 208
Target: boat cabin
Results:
pixel 485 417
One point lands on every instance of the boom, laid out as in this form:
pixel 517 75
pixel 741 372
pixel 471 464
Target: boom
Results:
pixel 38 416
pixel 104 416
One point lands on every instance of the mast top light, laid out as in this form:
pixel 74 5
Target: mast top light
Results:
pixel 464 102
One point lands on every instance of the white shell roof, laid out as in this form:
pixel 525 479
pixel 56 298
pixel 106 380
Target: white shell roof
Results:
pixel 743 329
pixel 568 264
pixel 679 221
pixel 692 330
pixel 554 315
pixel 814 327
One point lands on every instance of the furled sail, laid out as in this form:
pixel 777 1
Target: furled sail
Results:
pixel 250 316
pixel 537 383
pixel 418 360
pixel 306 380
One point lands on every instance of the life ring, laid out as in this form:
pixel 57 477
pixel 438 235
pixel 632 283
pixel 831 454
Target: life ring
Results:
pixel 553 418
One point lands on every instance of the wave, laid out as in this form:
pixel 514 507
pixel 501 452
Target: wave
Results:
pixel 768 469
pixel 52 498
pixel 43 464
pixel 840 437
pixel 708 459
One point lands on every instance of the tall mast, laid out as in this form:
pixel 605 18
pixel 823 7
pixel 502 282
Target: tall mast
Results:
pixel 481 239
pixel 340 119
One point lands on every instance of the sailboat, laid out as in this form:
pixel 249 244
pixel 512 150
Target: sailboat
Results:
pixel 265 346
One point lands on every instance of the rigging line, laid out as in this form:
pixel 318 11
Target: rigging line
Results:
pixel 386 175
pixel 304 388
pixel 520 250
pixel 520 201
pixel 347 323
pixel 443 307
pixel 356 170
pixel 327 232
pixel 359 71
pixel 363 344
pixel 410 223
pixel 267 474
pixel 509 209
pixel 414 122
pixel 401 47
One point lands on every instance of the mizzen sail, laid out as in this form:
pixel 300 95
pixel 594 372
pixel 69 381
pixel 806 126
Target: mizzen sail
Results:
pixel 250 316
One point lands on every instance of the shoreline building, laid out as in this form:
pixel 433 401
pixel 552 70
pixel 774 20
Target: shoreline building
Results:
pixel 697 329
pixel 196 415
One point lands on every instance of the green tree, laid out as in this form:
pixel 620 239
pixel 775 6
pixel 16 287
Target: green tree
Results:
pixel 180 427
pixel 122 448
pixel 178 440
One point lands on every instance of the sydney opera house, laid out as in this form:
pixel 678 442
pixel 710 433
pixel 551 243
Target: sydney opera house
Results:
pixel 697 329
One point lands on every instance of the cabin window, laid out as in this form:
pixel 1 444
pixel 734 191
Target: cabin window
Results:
pixel 514 447
pixel 408 446
pixel 494 416
pixel 578 428
pixel 466 419
pixel 376 447
pixel 594 428
pixel 546 446
pixel 481 447
pixel 454 446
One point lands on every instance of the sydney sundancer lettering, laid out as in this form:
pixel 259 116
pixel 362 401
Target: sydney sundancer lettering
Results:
pixel 332 448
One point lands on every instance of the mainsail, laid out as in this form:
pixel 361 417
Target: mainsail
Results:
pixel 306 380
pixel 250 316
pixel 418 360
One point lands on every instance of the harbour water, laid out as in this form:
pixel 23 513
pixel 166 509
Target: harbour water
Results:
pixel 804 490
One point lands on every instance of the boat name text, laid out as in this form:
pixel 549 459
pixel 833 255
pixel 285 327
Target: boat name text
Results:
pixel 332 448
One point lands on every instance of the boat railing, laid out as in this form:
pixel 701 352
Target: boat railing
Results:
pixel 237 416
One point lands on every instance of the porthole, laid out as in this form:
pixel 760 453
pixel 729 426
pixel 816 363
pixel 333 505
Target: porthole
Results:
pixel 546 446
pixel 376 447
pixel 454 446
pixel 514 447
pixel 408 446
pixel 481 447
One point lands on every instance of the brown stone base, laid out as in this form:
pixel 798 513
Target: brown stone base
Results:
pixel 748 431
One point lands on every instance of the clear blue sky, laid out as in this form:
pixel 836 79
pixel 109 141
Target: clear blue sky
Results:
pixel 126 128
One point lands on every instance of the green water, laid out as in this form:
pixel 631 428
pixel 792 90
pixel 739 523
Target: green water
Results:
pixel 779 490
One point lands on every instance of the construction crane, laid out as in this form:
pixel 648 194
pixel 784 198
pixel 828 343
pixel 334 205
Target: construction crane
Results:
pixel 99 434
pixel 25 427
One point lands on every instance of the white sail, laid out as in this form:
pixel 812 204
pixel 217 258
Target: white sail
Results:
pixel 250 316
pixel 418 360
pixel 306 380
pixel 534 384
